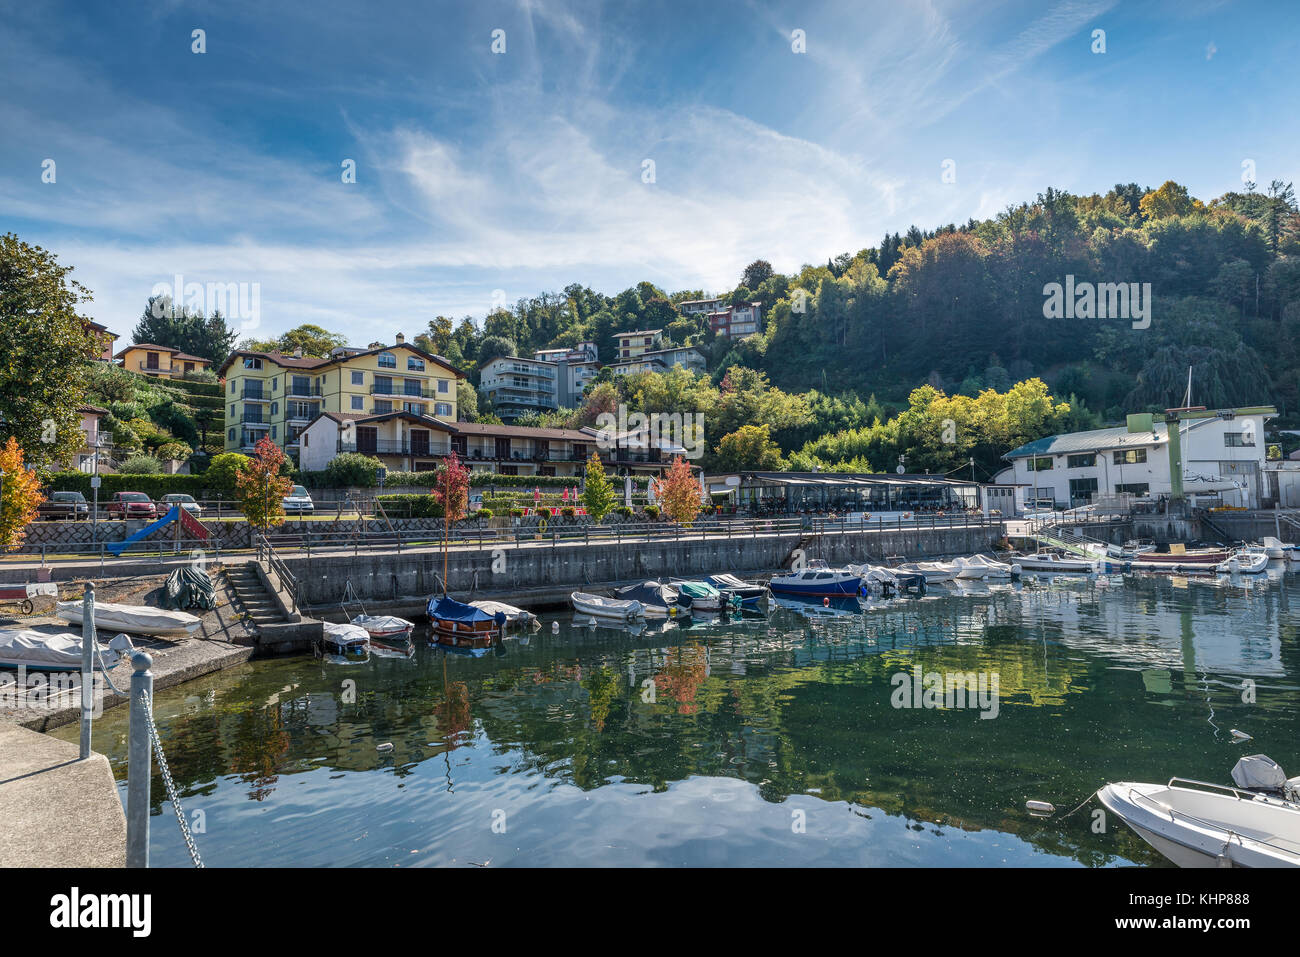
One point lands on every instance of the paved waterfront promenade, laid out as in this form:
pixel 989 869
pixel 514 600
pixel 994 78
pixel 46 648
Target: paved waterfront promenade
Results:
pixel 58 811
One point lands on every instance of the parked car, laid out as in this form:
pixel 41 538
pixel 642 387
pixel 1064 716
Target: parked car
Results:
pixel 298 502
pixel 475 501
pixel 132 505
pixel 184 501
pixel 69 505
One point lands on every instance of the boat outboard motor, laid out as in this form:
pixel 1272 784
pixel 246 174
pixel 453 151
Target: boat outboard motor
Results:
pixel 1259 772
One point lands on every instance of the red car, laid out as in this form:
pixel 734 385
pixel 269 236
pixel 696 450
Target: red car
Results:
pixel 132 505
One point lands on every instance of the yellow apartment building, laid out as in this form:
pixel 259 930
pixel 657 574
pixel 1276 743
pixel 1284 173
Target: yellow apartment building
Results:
pixel 163 362
pixel 278 396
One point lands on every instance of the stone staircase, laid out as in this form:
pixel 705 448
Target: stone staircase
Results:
pixel 280 629
pixel 254 596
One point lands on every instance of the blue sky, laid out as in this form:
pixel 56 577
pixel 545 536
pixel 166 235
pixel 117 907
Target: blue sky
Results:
pixel 482 174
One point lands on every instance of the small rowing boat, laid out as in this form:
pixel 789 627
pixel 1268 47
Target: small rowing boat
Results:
pixel 1244 563
pixel 1051 562
pixel 599 606
pixel 134 619
pixel 341 638
pixel 385 627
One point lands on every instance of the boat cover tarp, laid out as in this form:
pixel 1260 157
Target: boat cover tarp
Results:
pixel 1257 771
pixel 189 588
pixel 696 589
pixel 133 619
pixel 37 649
pixel 512 613
pixel 449 609
pixel 342 633
pixel 649 593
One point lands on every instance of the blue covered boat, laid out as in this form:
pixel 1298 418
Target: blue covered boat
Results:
pixel 819 582
pixel 464 626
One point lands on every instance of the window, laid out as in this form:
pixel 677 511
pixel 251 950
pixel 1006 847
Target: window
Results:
pixel 1082 489
pixel 387 360
pixel 1043 464
pixel 442 386
pixel 275 384
pixel 383 385
pixel 232 410
pixel 358 378
pixel 359 402
pixel 1085 461
pixel 252 363
pixel 273 431
pixel 232 386
pixel 1130 456
pixel 1239 440
pixel 383 405
pixel 442 408
pixel 1134 488
pixel 414 365
pixel 306 439
pixel 231 435
pixel 275 407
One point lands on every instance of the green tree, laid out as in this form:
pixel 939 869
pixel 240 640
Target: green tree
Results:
pixel 598 492
pixel 223 470
pixel 47 354
pixel 353 469
pixel 749 447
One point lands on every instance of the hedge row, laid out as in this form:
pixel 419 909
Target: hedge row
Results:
pixel 155 486
pixel 319 479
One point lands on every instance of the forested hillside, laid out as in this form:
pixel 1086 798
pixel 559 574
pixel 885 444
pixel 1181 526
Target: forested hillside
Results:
pixel 961 307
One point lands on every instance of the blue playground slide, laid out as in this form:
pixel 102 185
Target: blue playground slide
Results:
pixel 117 548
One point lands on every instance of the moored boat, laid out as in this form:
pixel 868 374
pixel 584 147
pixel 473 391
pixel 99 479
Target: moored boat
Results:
pixel 1050 562
pixel 981 566
pixel 1196 824
pixel 931 571
pixel 515 617
pixel 342 638
pixel 1179 555
pixel 601 606
pixel 1244 563
pixel 464 626
pixel 751 594
pixel 818 582
pixel 385 628
pixel 134 619
pixel 698 595
pixel 657 600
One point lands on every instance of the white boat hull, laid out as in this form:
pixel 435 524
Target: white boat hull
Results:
pixel 1199 828
pixel 618 609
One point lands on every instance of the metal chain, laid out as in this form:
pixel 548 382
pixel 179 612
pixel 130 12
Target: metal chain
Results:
pixel 169 784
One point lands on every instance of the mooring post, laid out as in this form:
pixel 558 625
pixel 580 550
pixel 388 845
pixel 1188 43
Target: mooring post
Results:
pixel 139 761
pixel 87 666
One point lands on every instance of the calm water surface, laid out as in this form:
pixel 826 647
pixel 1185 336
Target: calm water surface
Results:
pixel 767 741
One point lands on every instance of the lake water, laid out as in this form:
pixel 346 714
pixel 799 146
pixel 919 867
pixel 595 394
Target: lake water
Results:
pixel 765 741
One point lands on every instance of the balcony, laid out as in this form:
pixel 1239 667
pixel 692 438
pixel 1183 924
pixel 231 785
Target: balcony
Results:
pixel 302 391
pixel 158 369
pixel 408 393
pixel 396 447
pixel 255 395
pixel 294 412
pixel 254 421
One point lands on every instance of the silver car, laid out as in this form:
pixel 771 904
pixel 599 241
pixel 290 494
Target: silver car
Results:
pixel 298 502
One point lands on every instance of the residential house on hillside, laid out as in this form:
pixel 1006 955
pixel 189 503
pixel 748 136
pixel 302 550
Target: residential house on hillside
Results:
pixel 632 344
pixel 660 360
pixel 162 362
pixel 574 369
pixel 697 307
pixel 105 339
pixel 275 395
pixel 736 322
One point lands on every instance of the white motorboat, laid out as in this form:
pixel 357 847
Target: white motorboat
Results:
pixel 345 639
pixel 134 619
pixel 1050 562
pixel 515 617
pixel 1244 563
pixel 384 627
pixel 931 571
pixel 41 651
pixel 981 566
pixel 1195 827
pixel 1274 548
pixel 601 607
